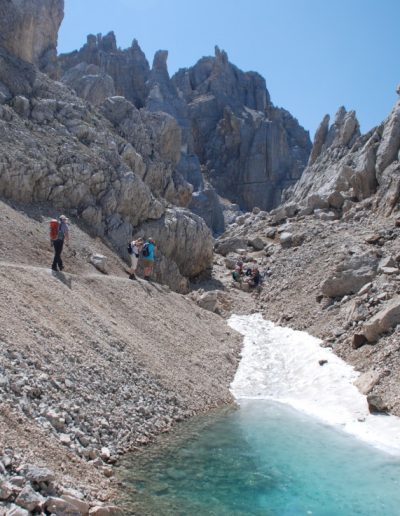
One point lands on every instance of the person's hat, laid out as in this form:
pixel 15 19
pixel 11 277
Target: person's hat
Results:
pixel 151 240
pixel 63 217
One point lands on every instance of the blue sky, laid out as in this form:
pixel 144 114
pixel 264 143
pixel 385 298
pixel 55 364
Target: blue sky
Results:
pixel 315 55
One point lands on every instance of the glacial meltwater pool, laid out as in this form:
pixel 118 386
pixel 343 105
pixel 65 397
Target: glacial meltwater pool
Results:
pixel 300 443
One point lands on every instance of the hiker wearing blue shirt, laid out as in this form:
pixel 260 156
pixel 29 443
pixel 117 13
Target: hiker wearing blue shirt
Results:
pixel 149 251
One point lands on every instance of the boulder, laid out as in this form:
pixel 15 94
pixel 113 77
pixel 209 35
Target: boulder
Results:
pixel 358 340
pixel 61 507
pixel 229 245
pixel 209 301
pixel 286 239
pixel 346 282
pixel 29 499
pixel 185 246
pixel 77 503
pixel 100 262
pixel 350 275
pixel 383 321
pixel 387 265
pixel 6 490
pixel 289 239
pixel 15 510
pixel 367 381
pixel 336 200
pixel 376 404
pixel 37 474
pixel 317 202
pixel 256 243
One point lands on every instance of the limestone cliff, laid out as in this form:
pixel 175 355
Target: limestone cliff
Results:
pixel 235 145
pixel 250 149
pixel 29 30
pixel 345 168
pixel 113 167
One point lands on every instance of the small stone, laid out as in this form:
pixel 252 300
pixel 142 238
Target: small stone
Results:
pixel 78 503
pixel 65 439
pixel 322 362
pixel 6 490
pixel 358 340
pixel 14 510
pixel 105 453
pixel 108 472
pixel 376 404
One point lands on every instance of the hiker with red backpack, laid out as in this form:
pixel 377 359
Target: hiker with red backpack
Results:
pixel 59 233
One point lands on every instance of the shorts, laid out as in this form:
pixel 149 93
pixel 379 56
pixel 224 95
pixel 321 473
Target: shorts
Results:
pixel 134 261
pixel 147 262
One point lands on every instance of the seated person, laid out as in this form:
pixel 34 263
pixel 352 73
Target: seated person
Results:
pixel 254 277
pixel 238 272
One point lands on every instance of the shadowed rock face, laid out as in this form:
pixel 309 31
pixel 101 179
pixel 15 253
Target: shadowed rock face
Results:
pixel 29 30
pixel 250 150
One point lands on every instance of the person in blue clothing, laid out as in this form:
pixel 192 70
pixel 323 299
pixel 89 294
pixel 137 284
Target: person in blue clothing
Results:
pixel 149 251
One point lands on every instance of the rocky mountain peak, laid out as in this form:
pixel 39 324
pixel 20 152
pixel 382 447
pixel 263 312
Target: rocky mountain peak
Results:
pixel 221 57
pixel 342 133
pixel 160 62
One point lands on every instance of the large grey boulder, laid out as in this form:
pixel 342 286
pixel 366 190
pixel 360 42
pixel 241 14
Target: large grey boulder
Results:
pixel 185 246
pixel 350 276
pixel 228 245
pixel 383 321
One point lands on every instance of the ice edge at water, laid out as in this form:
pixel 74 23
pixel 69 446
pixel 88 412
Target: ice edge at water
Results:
pixel 282 364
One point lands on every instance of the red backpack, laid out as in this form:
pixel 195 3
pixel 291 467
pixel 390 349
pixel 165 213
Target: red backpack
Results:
pixel 53 229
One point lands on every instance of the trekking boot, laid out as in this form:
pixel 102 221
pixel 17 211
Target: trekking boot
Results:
pixel 132 276
pixel 147 278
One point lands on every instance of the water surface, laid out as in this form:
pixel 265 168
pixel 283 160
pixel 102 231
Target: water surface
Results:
pixel 264 459
pixel 302 442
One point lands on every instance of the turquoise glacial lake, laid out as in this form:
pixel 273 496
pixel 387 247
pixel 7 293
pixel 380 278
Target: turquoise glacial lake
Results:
pixel 265 459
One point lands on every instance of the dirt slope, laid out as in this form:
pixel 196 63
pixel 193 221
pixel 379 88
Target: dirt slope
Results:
pixel 94 360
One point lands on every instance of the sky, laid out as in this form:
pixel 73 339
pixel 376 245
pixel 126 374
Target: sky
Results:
pixel 315 55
